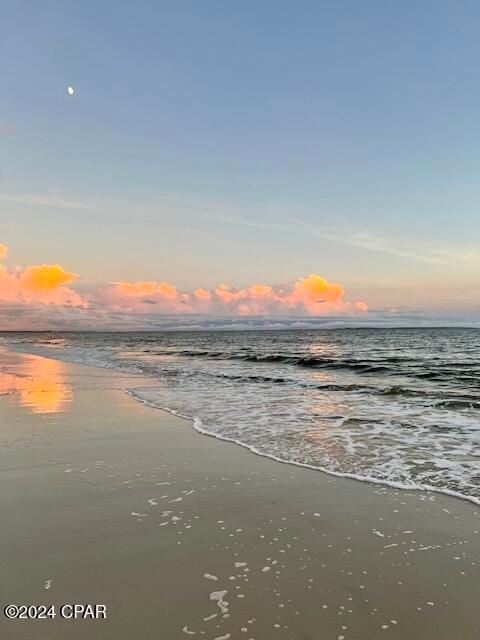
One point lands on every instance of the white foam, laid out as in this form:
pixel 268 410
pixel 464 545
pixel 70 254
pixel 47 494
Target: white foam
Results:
pixel 187 631
pixel 409 486
pixel 214 615
pixel 218 597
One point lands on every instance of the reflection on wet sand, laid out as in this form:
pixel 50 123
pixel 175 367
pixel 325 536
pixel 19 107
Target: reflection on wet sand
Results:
pixel 39 385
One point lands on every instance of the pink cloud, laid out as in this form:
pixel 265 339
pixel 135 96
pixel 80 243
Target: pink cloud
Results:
pixel 48 284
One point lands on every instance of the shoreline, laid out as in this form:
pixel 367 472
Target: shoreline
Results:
pixel 111 499
pixel 198 426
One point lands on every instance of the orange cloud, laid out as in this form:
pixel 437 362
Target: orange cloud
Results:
pixel 164 289
pixel 315 287
pixel 39 284
pixel 202 294
pixel 138 289
pixel 260 290
pixel 135 288
pixel 3 250
pixel 46 277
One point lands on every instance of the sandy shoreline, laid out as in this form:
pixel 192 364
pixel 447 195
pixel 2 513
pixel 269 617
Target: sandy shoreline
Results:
pixel 105 500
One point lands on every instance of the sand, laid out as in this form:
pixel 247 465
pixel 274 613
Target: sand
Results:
pixel 106 501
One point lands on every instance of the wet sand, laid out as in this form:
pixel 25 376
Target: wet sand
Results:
pixel 106 501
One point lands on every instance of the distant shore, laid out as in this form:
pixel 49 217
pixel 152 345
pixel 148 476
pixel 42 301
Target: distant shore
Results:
pixel 107 501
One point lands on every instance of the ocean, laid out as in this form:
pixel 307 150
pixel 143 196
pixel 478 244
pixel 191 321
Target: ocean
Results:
pixel 399 407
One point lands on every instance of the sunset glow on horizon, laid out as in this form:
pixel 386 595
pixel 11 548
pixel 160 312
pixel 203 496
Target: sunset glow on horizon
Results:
pixel 48 286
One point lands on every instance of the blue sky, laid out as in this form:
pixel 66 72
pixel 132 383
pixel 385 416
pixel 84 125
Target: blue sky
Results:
pixel 247 142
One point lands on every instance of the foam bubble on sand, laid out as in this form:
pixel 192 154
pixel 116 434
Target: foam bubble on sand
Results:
pixel 265 569
pixel 239 565
pixel 218 597
pixel 176 500
pixel 187 631
pixel 48 584
pixel 214 615
pixel 227 636
pixel 152 501
pixel 138 515
pixel 209 576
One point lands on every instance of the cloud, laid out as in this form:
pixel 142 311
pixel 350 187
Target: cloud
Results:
pixel 43 292
pixel 140 296
pixel 314 292
pixel 202 294
pixel 45 277
pixel 313 295
pixel 38 285
pixel 361 306
pixel 3 251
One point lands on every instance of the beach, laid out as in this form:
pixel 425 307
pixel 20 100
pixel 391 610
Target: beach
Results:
pixel 108 501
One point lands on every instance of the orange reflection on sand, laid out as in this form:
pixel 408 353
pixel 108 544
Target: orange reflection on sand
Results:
pixel 41 385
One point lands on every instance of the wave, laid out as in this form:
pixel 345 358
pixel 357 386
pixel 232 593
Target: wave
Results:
pixel 459 404
pixel 408 366
pixel 412 486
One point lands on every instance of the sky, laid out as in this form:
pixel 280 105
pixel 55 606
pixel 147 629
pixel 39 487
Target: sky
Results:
pixel 327 152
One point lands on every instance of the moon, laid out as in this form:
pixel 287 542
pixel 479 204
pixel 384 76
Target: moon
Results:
pixel 70 91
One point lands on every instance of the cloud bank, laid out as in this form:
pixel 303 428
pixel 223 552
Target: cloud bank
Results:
pixel 44 297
